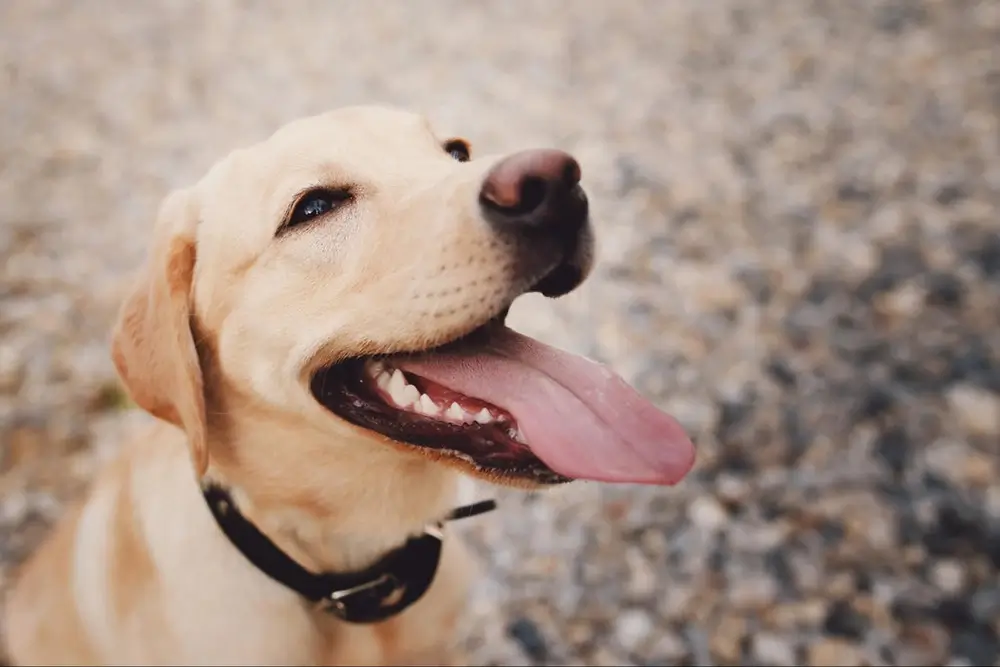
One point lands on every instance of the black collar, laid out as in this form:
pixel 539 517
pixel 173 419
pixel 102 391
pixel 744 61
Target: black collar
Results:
pixel 383 590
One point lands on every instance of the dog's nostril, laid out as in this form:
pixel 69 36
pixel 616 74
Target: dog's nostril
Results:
pixel 533 193
pixel 571 173
pixel 531 196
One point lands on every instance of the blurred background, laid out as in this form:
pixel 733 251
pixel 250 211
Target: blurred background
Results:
pixel 797 206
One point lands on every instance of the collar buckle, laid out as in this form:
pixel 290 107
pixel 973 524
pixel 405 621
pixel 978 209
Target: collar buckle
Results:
pixel 337 602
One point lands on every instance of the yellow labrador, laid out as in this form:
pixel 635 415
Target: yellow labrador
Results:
pixel 320 330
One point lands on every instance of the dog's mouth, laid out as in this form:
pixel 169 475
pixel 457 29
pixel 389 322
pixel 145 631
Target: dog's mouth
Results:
pixel 511 409
pixel 378 394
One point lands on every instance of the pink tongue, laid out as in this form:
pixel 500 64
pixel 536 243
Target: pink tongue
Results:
pixel 578 417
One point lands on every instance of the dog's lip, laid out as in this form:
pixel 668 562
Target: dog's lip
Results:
pixel 550 284
pixel 321 360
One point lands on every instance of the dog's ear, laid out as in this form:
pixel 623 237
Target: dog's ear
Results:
pixel 152 343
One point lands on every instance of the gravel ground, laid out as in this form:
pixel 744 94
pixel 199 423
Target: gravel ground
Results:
pixel 797 204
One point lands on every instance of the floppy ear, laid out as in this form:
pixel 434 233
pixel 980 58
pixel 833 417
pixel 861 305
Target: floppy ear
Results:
pixel 152 343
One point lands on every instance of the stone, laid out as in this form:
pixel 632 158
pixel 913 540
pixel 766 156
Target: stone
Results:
pixel 24 445
pixel 771 649
pixel 632 628
pixel 948 575
pixel 695 416
pixel 944 289
pixel 707 287
pixel 987 255
pixel 870 522
pixel 903 302
pixel 529 637
pixel 977 646
pixel 976 410
pixel 758 538
pixel 796 615
pixel 753 592
pixel 827 652
pixel 727 638
pixel 602 656
pixel 732 488
pixel 654 543
pixel 922 643
pixel 960 463
pixel 668 647
pixel 992 503
pixel 842 620
pixel 985 604
pixel 708 514
pixel 893 447
pixel 679 599
pixel 642 579
pixel 875 401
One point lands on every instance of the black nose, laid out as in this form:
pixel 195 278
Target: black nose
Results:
pixel 535 189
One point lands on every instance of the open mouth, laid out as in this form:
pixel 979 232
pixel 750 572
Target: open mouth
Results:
pixel 511 408
pixel 377 394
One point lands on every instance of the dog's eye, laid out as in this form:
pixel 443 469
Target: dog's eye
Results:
pixel 457 149
pixel 316 203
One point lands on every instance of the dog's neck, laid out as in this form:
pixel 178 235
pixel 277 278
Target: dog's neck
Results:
pixel 332 506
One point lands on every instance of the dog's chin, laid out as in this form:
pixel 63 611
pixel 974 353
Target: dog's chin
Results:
pixel 427 418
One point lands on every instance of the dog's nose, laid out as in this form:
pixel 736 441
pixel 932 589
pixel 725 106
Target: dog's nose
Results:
pixel 535 189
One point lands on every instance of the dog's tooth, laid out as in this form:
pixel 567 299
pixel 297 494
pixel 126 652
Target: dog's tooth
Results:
pixel 411 396
pixel 484 416
pixel 383 379
pixel 520 436
pixel 397 388
pixel 375 368
pixel 397 381
pixel 426 406
pixel 512 433
pixel 455 412
pixel 399 397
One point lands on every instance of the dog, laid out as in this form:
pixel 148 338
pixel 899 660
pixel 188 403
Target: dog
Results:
pixel 319 329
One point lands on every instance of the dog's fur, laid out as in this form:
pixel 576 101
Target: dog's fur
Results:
pixel 219 337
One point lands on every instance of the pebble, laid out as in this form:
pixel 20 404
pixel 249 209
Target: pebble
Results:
pixel 976 410
pixel 727 637
pixel 708 514
pixel 843 620
pixel 643 580
pixel 992 503
pixel 949 576
pixel 962 464
pixel 707 287
pixel 602 656
pixel 694 416
pixel 770 649
pixel 986 604
pixel 753 593
pixel 668 647
pixel 632 628
pixel 796 615
pixel 732 488
pixel 834 653
pixel 528 636
pixel 903 302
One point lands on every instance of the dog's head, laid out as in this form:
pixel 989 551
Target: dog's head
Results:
pixel 352 272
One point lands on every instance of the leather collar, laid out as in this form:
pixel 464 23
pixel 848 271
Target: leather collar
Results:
pixel 396 581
